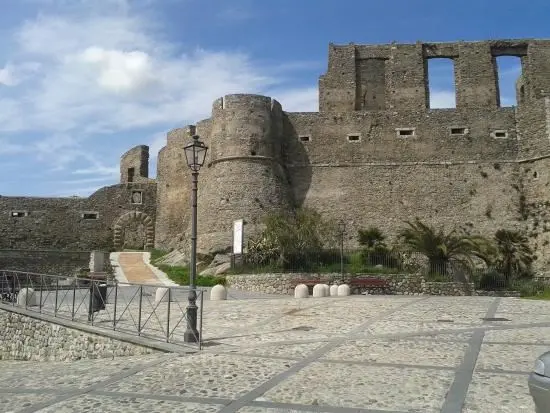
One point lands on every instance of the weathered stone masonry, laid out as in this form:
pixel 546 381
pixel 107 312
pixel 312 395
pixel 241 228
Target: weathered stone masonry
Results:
pixel 28 338
pixel 374 154
pixel 121 214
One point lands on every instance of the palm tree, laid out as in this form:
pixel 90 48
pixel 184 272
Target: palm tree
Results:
pixel 371 237
pixel 514 255
pixel 441 248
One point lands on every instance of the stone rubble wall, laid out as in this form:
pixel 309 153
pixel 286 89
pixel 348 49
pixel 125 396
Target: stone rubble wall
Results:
pixel 30 339
pixel 399 284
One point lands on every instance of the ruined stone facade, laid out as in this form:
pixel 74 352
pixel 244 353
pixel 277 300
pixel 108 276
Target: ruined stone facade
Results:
pixel 374 154
pixel 114 217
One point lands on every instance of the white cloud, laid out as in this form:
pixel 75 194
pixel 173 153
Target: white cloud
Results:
pixel 87 72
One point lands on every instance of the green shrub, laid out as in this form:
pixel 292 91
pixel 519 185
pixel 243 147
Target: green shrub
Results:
pixel 493 281
pixel 157 254
pixel 534 289
pixel 180 275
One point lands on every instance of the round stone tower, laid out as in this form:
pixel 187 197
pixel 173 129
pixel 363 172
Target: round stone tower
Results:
pixel 244 177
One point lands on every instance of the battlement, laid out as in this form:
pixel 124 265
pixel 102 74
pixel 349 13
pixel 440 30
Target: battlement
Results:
pixel 395 76
pixel 246 101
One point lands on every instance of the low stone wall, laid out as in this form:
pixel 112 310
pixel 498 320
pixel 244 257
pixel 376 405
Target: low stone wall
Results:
pixel 54 262
pixel 399 284
pixel 27 338
pixel 64 263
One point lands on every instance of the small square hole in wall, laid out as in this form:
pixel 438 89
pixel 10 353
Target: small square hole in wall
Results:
pixel 137 197
pixel 304 138
pixel 90 215
pixel 459 131
pixel 405 132
pixel 18 214
pixel 354 137
pixel 500 134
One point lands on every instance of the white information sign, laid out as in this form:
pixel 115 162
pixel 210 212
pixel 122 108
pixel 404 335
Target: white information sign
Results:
pixel 238 236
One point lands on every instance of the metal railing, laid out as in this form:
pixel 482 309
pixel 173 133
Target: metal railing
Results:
pixel 155 312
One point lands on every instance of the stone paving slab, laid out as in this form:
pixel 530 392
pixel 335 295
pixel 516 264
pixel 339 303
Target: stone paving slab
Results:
pixel 13 402
pixel 365 387
pixel 516 357
pixel 502 393
pixel 538 335
pixel 106 404
pixel 346 354
pixel 204 375
pixel 444 354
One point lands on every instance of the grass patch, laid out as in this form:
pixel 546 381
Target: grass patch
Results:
pixel 157 254
pixel 180 275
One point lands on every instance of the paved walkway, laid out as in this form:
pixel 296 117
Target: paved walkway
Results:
pixel 374 354
pixel 134 267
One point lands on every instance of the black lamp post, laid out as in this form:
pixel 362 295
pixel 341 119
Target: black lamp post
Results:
pixel 195 153
pixel 342 229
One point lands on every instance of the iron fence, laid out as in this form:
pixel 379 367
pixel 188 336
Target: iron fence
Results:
pixel 345 261
pixel 155 312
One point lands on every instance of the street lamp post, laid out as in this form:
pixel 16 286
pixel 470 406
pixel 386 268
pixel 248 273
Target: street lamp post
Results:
pixel 342 229
pixel 195 154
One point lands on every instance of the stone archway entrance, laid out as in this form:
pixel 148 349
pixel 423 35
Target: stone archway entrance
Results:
pixel 134 230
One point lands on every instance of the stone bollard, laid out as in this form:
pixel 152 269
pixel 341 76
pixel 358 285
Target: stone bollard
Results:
pixel 218 293
pixel 327 290
pixel 333 290
pixel 161 295
pixel 319 291
pixel 27 295
pixel 343 290
pixel 301 291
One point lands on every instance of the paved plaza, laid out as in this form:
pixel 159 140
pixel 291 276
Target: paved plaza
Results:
pixel 339 354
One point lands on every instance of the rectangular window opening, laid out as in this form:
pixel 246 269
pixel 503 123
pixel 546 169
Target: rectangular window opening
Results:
pixel 509 71
pixel 90 215
pixel 405 132
pixel 354 137
pixel 131 173
pixel 441 83
pixel 499 134
pixel 459 131
pixel 304 138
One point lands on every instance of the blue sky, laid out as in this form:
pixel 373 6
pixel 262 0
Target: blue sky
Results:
pixel 82 81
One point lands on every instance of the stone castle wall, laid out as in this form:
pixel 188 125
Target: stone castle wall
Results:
pixel 375 154
pixel 79 224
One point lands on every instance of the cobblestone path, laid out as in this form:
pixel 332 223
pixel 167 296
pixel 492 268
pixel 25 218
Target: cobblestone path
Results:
pixel 374 354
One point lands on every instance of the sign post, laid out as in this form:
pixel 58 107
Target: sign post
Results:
pixel 238 243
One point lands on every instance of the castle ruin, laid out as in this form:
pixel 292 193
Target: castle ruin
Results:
pixel 374 154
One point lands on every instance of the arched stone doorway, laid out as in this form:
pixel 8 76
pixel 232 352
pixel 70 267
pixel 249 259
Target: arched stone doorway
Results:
pixel 134 230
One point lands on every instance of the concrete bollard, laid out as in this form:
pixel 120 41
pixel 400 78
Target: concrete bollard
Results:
pixel 318 291
pixel 218 293
pixel 161 295
pixel 327 290
pixel 333 290
pixel 28 296
pixel 301 291
pixel 343 290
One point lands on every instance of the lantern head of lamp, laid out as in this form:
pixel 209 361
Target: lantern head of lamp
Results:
pixel 342 227
pixel 195 153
